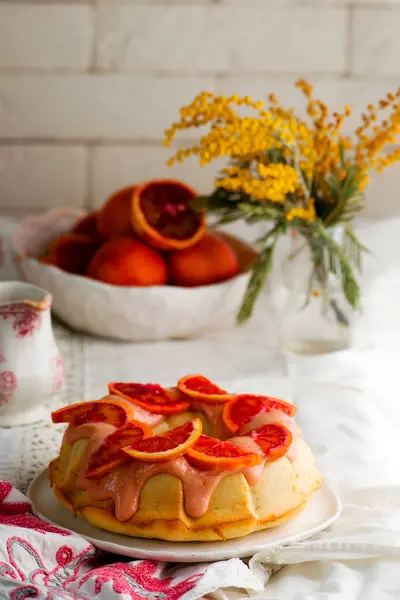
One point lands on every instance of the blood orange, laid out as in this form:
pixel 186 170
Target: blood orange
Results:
pixel 151 396
pixel 211 454
pixel 162 215
pixel 110 456
pixel 242 409
pixel 273 439
pixel 166 446
pixel 87 225
pixel 114 217
pixel 113 412
pixel 201 389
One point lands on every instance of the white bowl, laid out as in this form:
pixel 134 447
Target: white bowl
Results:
pixel 127 313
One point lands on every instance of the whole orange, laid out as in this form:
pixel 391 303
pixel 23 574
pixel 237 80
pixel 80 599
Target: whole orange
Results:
pixel 87 225
pixel 114 218
pixel 210 261
pixel 70 252
pixel 127 261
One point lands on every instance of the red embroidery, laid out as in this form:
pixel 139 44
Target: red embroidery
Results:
pixel 24 591
pixel 57 373
pixel 54 582
pixel 8 385
pixel 25 566
pixel 138 581
pixel 64 555
pixel 17 514
pixel 26 320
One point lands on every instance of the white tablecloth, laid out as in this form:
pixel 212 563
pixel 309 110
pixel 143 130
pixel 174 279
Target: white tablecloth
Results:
pixel 348 408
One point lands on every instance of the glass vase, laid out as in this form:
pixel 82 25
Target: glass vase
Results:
pixel 315 315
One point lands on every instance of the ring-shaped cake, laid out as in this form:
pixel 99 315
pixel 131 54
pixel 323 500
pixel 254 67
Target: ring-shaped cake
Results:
pixel 189 463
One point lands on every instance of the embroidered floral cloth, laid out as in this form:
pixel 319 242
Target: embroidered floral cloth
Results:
pixel 39 560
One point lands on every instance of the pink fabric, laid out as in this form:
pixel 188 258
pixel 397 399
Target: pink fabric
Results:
pixel 39 560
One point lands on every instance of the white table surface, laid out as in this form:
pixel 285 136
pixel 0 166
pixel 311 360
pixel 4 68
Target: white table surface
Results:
pixel 349 409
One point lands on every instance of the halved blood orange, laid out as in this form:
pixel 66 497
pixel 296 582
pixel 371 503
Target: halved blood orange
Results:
pixel 110 456
pixel 151 396
pixel 239 411
pixel 162 215
pixel 273 439
pixel 201 389
pixel 211 454
pixel 166 446
pixel 113 412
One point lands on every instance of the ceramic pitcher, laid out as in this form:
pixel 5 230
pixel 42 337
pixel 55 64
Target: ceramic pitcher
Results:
pixel 31 368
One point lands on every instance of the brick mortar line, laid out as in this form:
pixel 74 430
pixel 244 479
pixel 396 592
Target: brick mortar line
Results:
pixel 89 179
pixel 349 41
pixel 96 144
pixel 320 76
pixel 210 3
pixel 91 142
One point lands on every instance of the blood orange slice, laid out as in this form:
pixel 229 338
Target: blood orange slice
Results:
pixel 242 409
pixel 151 396
pixel 273 439
pixel 211 454
pixel 201 389
pixel 110 456
pixel 113 412
pixel 162 215
pixel 166 446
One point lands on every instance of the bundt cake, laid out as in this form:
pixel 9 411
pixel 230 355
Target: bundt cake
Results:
pixel 189 463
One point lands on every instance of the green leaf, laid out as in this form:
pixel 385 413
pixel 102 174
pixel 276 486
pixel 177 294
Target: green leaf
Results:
pixel 256 283
pixel 339 265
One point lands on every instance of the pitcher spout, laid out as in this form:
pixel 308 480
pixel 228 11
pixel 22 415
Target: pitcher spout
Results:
pixel 18 292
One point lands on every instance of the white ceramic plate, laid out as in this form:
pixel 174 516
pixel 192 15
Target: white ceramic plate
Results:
pixel 321 511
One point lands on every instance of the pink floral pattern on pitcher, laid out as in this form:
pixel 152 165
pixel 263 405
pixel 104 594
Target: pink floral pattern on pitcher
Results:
pixel 57 373
pixel 25 319
pixel 2 357
pixel 8 385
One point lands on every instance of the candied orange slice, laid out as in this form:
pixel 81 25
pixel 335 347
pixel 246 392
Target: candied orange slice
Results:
pixel 166 446
pixel 211 454
pixel 242 409
pixel 113 412
pixel 151 396
pixel 162 215
pixel 201 389
pixel 110 456
pixel 273 439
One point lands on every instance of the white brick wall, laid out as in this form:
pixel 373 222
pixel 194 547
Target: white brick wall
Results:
pixel 45 37
pixel 88 86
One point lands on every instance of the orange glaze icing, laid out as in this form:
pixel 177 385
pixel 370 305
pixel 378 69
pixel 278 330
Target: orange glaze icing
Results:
pixel 124 484
pixel 213 412
pixel 252 474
